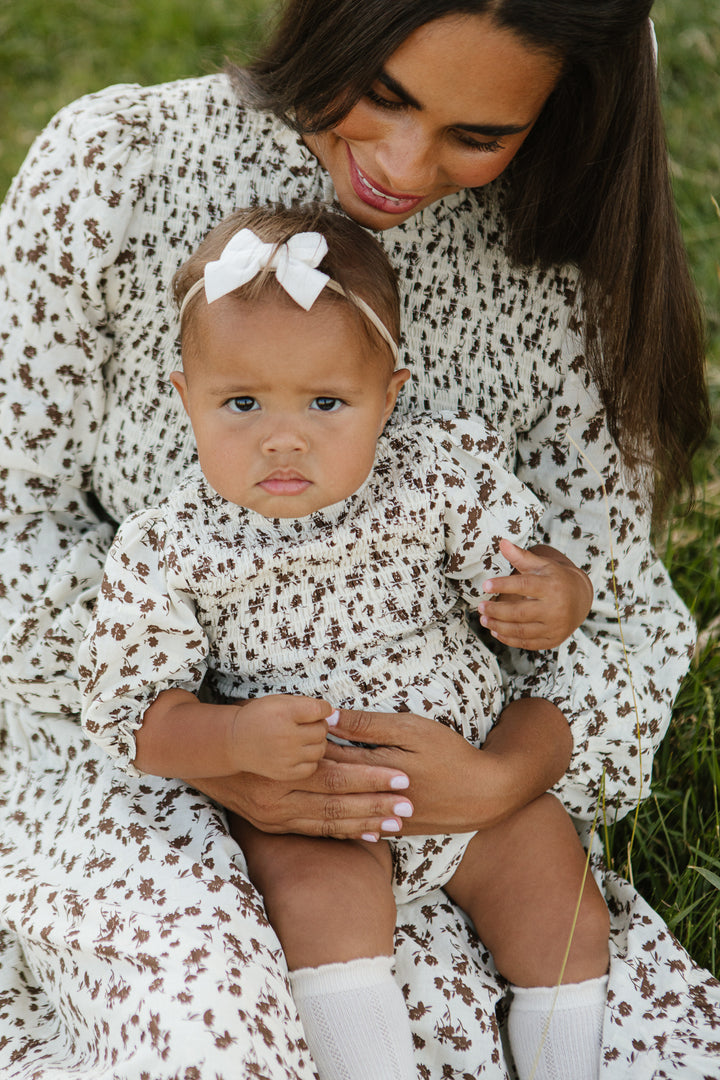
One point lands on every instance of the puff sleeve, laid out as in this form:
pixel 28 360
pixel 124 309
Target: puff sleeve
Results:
pixel 143 638
pixel 483 501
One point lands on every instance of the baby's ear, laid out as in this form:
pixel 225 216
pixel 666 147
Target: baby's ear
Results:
pixel 397 381
pixel 177 378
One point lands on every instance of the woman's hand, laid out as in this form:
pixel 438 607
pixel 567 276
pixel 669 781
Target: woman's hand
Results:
pixel 422 777
pixel 454 787
pixel 541 604
pixel 339 800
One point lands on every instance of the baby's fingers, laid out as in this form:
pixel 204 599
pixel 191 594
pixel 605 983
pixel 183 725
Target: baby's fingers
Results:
pixel 521 560
pixel 507 612
pixel 531 585
pixel 313 737
pixel 522 635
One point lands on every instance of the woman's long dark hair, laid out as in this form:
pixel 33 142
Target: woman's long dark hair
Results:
pixel 589 186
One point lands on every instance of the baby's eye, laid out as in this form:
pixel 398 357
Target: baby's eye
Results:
pixel 242 404
pixel 327 404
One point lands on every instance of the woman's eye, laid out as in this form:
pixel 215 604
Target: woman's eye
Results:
pixel 383 102
pixel 482 147
pixel 242 404
pixel 327 404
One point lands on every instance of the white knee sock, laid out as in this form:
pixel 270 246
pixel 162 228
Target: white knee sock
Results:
pixel 355 1020
pixel 573 1041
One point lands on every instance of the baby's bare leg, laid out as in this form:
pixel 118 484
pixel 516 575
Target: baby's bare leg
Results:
pixel 520 883
pixel 331 904
pixel 328 901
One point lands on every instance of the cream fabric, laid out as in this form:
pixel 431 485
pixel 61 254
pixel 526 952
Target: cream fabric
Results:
pixel 131 943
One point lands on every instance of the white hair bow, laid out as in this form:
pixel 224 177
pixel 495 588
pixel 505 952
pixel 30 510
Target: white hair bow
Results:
pixel 294 263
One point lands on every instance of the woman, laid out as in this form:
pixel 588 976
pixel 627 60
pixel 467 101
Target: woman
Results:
pixel 132 942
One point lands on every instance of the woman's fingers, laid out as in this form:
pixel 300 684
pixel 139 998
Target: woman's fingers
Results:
pixel 337 778
pixel 339 800
pixel 338 816
pixel 386 729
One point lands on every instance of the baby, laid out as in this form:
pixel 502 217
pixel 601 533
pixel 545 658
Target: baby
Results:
pixel 323 557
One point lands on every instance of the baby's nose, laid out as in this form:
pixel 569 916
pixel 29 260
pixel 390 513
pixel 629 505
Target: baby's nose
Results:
pixel 285 437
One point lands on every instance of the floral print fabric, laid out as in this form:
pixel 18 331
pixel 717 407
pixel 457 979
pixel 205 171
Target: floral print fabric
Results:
pixel 127 949
pixel 359 603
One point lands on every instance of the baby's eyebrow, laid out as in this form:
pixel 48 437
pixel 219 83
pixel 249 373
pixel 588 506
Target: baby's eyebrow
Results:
pixel 232 390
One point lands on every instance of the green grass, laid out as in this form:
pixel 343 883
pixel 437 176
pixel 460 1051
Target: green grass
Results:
pixel 52 53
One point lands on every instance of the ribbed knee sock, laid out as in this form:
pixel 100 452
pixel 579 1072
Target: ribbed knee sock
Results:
pixel 573 1041
pixel 355 1020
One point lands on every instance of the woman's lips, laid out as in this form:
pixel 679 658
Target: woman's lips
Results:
pixel 376 196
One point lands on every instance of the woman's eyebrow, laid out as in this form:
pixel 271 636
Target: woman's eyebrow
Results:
pixel 491 130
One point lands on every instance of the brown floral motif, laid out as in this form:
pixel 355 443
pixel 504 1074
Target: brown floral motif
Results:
pixel 114 196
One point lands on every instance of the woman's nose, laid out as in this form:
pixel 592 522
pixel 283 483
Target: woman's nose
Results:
pixel 407 159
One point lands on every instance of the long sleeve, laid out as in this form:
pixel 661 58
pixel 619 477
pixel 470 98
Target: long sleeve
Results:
pixel 615 687
pixel 143 638
pixel 484 502
pixel 61 226
pixel 504 341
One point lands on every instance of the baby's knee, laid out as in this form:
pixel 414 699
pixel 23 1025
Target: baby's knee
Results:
pixel 592 929
pixel 284 868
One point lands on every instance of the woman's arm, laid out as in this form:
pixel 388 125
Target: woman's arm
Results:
pixel 54 340
pixel 615 687
pixel 455 787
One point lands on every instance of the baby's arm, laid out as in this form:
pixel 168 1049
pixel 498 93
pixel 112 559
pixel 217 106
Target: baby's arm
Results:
pixel 143 661
pixel 281 736
pixel 541 604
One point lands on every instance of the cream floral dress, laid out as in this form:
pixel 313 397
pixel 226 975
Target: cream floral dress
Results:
pixel 360 603
pixel 131 944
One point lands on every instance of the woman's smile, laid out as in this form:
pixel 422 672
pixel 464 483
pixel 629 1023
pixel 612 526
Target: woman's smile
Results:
pixel 372 193
pixel 449 110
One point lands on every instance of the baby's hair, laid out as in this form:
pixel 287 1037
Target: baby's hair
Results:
pixel 355 260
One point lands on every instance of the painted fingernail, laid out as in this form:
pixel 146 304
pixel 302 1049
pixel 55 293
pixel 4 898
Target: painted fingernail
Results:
pixel 398 782
pixel 390 825
pixel 403 809
pixel 484 620
pixel 333 718
pixel 370 837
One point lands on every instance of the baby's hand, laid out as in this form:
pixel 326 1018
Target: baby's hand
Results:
pixel 542 604
pixel 282 736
